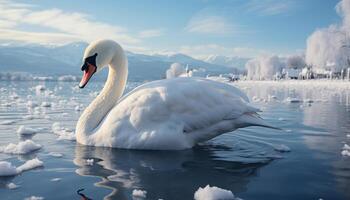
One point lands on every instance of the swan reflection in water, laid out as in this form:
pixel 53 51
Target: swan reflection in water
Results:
pixel 163 174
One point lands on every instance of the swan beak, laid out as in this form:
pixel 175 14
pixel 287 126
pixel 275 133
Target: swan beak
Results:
pixel 89 70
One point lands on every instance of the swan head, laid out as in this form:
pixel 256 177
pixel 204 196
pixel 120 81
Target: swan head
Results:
pixel 97 55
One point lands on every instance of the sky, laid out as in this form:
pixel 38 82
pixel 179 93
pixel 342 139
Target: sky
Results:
pixel 199 28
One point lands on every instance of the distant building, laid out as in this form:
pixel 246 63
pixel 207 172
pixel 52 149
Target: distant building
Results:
pixel 291 73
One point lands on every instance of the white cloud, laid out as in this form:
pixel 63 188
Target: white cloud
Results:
pixel 36 37
pixel 6 24
pixel 151 33
pixel 209 24
pixel 66 26
pixel 269 7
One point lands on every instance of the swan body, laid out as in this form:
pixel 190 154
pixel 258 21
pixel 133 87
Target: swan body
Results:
pixel 169 114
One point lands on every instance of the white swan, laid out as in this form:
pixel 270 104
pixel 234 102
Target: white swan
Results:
pixel 170 114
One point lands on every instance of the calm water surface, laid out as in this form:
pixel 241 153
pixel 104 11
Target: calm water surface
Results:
pixel 250 162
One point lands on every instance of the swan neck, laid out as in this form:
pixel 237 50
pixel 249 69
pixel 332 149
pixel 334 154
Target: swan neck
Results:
pixel 113 89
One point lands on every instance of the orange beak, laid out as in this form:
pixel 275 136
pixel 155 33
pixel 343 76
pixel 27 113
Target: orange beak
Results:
pixel 89 70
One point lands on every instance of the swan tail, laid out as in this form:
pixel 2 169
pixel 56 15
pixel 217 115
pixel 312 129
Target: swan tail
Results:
pixel 253 119
pixel 228 125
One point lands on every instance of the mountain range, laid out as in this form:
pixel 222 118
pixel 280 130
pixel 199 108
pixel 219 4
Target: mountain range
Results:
pixel 228 61
pixel 66 59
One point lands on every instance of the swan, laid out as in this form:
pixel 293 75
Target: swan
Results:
pixel 169 114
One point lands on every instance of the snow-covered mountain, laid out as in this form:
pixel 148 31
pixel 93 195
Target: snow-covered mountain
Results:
pixel 229 61
pixel 66 59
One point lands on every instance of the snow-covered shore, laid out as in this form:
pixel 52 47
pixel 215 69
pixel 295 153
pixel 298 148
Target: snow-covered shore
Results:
pixel 314 83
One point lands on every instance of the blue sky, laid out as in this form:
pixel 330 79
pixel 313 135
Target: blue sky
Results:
pixel 196 27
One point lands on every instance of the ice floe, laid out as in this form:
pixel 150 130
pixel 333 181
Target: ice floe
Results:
pixel 39 88
pixel 213 193
pixel 7 169
pixel 28 117
pixel 22 130
pixel 67 78
pixel 34 198
pixel 345 150
pixel 55 179
pixel 31 104
pixel 45 104
pixel 282 148
pixel 7 122
pixel 12 186
pixel 63 133
pixel 90 161
pixel 22 147
pixel 139 194
pixel 292 100
pixel 30 164
pixel 56 155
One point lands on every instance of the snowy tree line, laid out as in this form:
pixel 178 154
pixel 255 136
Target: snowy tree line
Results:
pixel 327 51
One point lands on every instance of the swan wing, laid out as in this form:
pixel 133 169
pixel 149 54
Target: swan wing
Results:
pixel 174 109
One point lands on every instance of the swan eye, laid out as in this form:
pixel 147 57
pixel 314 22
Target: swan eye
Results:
pixel 89 60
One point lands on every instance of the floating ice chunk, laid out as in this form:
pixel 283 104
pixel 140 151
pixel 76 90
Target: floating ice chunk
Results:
pixel 56 179
pixel 345 153
pixel 292 100
pixel 348 135
pixel 213 193
pixel 256 99
pixel 22 147
pixel 272 98
pixel 12 186
pixel 28 117
pixel 7 169
pixel 281 119
pixel 67 78
pixel 282 148
pixel 22 130
pixel 31 104
pixel 66 136
pixel 77 108
pixel 63 133
pixel 30 164
pixel 346 150
pixel 34 198
pixel 56 127
pixel 6 104
pixel 39 89
pixel 14 96
pixel 139 194
pixel 90 161
pixel 7 122
pixel 308 101
pixel 46 104
pixel 56 155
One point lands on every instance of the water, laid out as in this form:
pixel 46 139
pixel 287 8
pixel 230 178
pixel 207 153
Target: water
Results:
pixel 250 162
